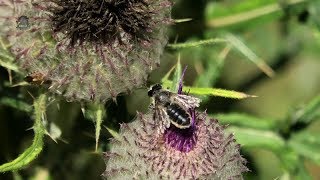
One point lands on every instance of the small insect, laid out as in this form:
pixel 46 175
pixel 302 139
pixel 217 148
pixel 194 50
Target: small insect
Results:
pixel 23 23
pixel 172 108
pixel 37 78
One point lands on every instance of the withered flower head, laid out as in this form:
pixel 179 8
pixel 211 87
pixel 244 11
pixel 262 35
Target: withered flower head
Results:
pixel 202 151
pixel 87 49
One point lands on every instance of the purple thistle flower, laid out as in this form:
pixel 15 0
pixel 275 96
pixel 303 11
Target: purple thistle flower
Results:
pixel 202 151
pixel 88 49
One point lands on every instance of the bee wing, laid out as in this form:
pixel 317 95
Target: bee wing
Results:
pixel 189 102
pixel 161 118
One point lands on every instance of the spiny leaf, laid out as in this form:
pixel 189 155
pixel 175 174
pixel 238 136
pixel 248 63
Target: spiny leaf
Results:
pixel 197 43
pixel 37 145
pixel 218 92
pixel 241 47
pixel 212 91
pixel 113 133
pixel 99 119
pixel 96 113
pixel 246 120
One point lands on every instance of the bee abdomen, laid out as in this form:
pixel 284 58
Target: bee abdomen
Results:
pixel 178 115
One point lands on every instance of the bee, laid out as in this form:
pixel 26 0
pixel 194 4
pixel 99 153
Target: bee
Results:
pixel 172 108
pixel 37 78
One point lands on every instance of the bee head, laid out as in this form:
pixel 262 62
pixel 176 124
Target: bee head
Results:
pixel 154 89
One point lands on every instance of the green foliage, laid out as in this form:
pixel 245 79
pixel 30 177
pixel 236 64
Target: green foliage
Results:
pixel 243 13
pixel 227 45
pixel 196 43
pixel 263 133
pixel 249 137
pixel 34 150
pixel 246 120
pixel 95 113
pixel 173 85
pixel 307 145
pixel 15 103
pixel 6 59
pixel 241 47
pixel 308 113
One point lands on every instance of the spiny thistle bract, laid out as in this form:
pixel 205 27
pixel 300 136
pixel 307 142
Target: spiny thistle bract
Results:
pixel 88 49
pixel 203 151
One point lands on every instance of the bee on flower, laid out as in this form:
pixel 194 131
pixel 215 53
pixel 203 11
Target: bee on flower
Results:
pixel 174 141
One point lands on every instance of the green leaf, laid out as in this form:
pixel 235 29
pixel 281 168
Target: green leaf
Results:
pixel 302 173
pixel 246 13
pixel 289 159
pixel 6 61
pixel 176 76
pixel 17 104
pixel 293 164
pixel 306 144
pixel 99 119
pixel 247 121
pixel 248 137
pixel 6 58
pixel 166 77
pixel 113 133
pixel 197 43
pixel 241 47
pixel 314 10
pixel 182 20
pixel 37 145
pixel 96 113
pixel 212 91
pixel 308 113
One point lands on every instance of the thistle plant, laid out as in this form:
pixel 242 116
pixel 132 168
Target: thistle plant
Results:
pixel 147 149
pixel 88 50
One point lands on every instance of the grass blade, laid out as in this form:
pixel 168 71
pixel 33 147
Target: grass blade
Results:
pixel 197 43
pixel 241 47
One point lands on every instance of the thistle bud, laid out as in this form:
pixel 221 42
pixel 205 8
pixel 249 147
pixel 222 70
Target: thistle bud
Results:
pixel 203 151
pixel 88 49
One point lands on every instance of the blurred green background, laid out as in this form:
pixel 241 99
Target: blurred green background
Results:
pixel 284 34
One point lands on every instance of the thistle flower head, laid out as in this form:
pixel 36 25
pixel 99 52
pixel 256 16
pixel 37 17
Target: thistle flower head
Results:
pixel 202 151
pixel 88 49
